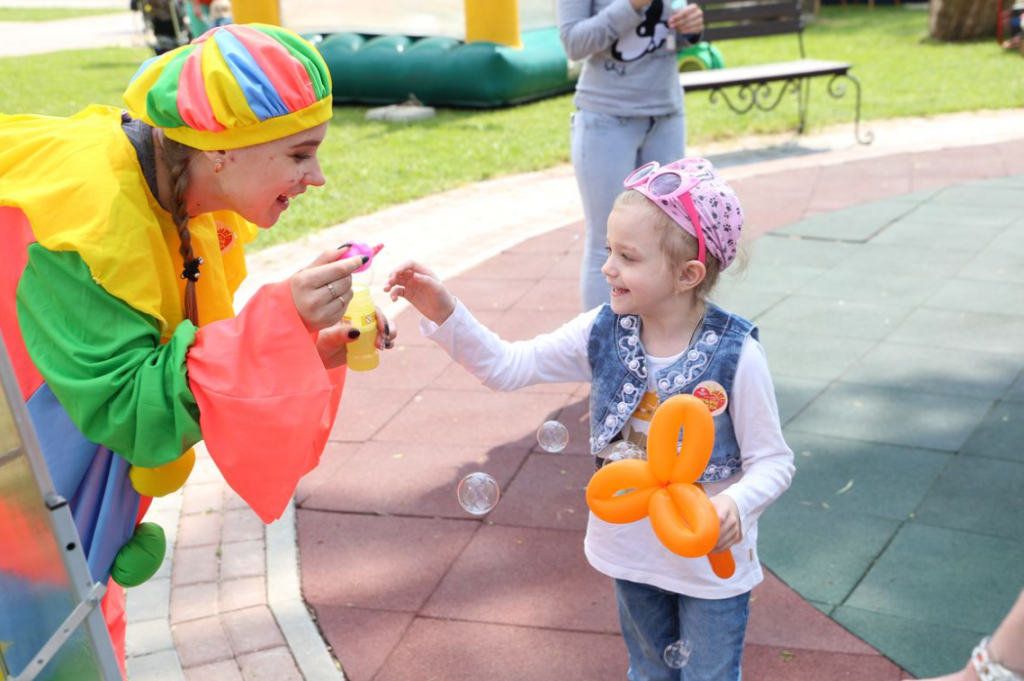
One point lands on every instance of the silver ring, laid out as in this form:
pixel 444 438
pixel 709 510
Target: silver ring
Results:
pixel 330 286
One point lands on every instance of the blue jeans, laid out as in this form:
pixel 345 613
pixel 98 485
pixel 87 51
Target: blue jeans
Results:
pixel 605 149
pixel 652 619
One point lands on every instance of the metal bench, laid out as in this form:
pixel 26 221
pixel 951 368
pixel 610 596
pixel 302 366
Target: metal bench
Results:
pixel 736 19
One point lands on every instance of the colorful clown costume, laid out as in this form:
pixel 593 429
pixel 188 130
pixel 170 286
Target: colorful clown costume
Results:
pixel 113 376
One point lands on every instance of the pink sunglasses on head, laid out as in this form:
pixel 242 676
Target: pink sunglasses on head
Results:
pixel 662 185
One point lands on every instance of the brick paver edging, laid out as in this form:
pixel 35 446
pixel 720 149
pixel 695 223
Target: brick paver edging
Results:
pixel 227 603
pixel 284 591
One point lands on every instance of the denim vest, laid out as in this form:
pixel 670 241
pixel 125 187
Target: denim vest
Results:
pixel 618 362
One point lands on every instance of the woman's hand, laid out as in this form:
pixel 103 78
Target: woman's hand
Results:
pixel 688 21
pixel 322 291
pixel 332 344
pixel 730 531
pixel 423 289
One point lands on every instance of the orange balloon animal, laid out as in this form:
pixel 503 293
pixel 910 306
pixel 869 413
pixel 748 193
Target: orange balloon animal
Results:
pixel 665 486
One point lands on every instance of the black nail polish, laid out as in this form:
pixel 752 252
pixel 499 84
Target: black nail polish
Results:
pixel 365 258
pixel 353 333
pixel 387 329
pixel 345 245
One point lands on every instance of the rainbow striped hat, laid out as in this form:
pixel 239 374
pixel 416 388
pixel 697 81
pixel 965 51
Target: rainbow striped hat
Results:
pixel 234 86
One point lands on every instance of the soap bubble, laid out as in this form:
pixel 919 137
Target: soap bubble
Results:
pixel 627 450
pixel 478 493
pixel 678 654
pixel 553 436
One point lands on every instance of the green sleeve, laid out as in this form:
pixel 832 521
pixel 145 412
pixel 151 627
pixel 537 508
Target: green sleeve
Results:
pixel 103 360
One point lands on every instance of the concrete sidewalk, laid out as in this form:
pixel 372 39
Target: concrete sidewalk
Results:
pixel 223 588
pixel 23 38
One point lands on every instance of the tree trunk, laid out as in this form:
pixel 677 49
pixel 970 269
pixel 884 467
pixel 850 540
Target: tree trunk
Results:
pixel 963 19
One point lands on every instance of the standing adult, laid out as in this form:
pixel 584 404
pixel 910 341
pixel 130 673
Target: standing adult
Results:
pixel 122 239
pixel 629 105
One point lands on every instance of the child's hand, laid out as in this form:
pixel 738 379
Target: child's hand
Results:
pixel 730 531
pixel 423 289
pixel 688 21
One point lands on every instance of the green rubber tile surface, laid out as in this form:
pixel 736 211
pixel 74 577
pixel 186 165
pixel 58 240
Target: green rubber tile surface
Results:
pixel 821 552
pixel 979 296
pixel 793 394
pixel 819 358
pixel 995 263
pixel 858 223
pixel 893 416
pixel 919 197
pixel 946 577
pixel 879 260
pixel 962 331
pixel 966 216
pixel 915 233
pixel 977 494
pixel 745 300
pixel 1011 240
pixel 855 476
pixel 847 319
pixel 766 277
pixel 1016 391
pixel 981 194
pixel 1001 435
pixel 780 250
pixel 1009 182
pixel 959 373
pixel 924 649
pixel 852 285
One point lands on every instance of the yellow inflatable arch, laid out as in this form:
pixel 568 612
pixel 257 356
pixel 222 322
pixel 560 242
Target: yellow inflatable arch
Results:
pixel 495 21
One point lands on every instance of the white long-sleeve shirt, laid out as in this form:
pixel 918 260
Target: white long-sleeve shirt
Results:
pixel 632 551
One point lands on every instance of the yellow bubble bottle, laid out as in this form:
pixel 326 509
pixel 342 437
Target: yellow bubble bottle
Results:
pixel 362 315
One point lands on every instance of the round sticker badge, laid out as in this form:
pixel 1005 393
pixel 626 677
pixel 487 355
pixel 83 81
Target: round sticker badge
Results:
pixel 712 394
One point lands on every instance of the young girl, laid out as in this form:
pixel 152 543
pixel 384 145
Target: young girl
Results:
pixel 669 236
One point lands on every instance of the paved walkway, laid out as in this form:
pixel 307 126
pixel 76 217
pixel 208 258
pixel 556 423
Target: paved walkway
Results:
pixel 435 593
pixel 22 38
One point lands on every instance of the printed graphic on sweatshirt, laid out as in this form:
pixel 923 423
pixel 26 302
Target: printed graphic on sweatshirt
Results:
pixel 648 37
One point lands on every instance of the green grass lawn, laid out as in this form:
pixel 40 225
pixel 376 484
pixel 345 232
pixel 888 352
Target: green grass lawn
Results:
pixel 51 13
pixel 371 165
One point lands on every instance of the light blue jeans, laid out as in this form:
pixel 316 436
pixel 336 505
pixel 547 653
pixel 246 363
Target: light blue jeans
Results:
pixel 605 149
pixel 652 619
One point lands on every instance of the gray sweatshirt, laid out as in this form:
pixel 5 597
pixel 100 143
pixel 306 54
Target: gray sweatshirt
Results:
pixel 629 60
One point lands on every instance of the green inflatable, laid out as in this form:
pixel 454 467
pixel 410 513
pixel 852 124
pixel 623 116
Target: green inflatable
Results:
pixel 444 71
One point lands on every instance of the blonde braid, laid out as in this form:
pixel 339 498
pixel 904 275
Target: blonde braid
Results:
pixel 177 156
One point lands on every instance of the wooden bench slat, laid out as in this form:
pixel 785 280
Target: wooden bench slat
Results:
pixel 747 75
pixel 755 30
pixel 773 10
